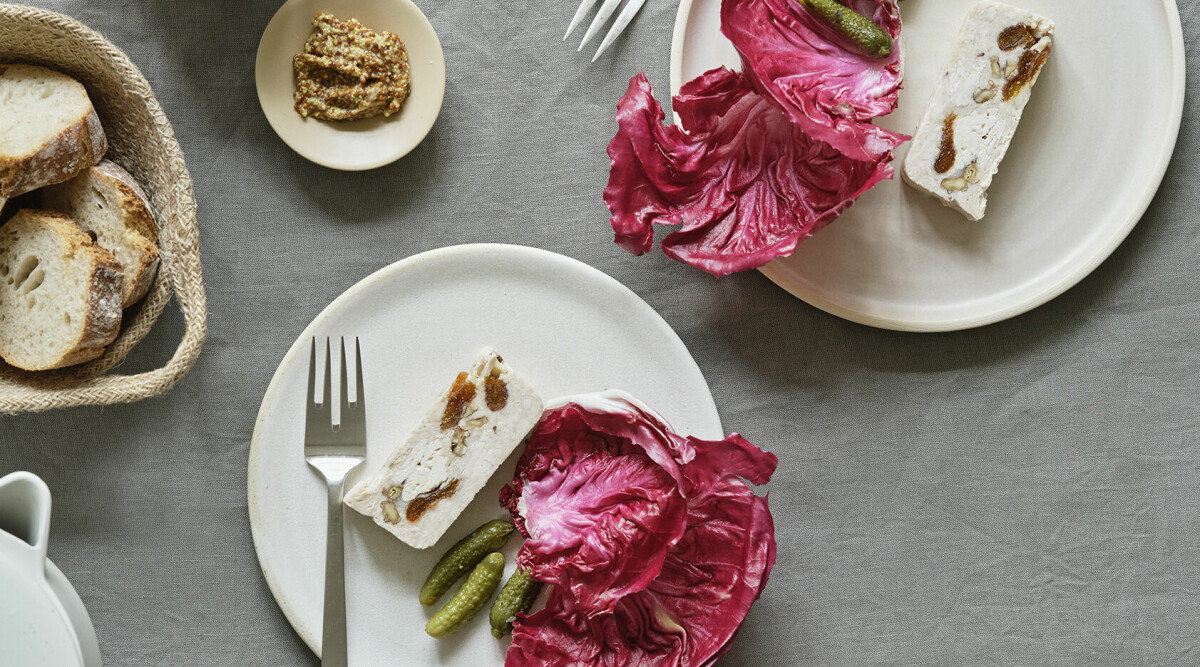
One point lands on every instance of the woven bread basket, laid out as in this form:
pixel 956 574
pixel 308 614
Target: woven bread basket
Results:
pixel 140 140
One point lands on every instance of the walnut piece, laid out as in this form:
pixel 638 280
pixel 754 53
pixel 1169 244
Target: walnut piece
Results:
pixel 458 441
pixel 954 184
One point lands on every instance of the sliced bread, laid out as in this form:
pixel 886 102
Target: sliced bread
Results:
pixel 60 294
pixel 48 129
pixel 110 207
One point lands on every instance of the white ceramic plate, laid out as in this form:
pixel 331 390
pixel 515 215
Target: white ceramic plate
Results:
pixel 564 326
pixel 351 145
pixel 1089 156
pixel 76 613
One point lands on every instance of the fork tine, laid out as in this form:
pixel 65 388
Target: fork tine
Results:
pixel 345 388
pixel 619 25
pixel 578 18
pixel 328 377
pixel 606 10
pixel 358 383
pixel 312 374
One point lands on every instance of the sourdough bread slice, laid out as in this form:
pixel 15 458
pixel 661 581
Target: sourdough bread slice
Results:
pixel 60 294
pixel 48 129
pixel 110 206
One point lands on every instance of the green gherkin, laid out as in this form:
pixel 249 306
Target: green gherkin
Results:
pixel 469 599
pixel 858 29
pixel 516 596
pixel 463 556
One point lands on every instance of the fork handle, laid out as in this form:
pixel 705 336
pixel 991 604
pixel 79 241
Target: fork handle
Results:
pixel 333 634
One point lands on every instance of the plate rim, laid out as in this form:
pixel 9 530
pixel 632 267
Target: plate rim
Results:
pixel 77 614
pixel 439 60
pixel 1036 298
pixel 311 637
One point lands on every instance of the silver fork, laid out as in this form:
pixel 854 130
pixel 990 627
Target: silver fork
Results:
pixel 606 10
pixel 335 450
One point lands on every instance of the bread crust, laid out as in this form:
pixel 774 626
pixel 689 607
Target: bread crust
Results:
pixel 139 217
pixel 102 321
pixel 72 150
pixel 143 233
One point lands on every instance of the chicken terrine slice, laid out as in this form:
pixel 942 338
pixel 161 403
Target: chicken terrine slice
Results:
pixel 974 112
pixel 433 475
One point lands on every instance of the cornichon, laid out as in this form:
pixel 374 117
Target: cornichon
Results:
pixel 517 595
pixel 860 30
pixel 469 599
pixel 463 556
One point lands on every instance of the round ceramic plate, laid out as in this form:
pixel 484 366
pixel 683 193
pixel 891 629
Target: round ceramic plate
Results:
pixel 562 325
pixel 1088 157
pixel 361 144
pixel 76 613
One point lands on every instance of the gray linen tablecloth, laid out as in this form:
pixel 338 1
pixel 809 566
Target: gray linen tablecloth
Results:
pixel 1025 493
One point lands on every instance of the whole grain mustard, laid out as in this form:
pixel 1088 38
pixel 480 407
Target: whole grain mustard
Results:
pixel 350 72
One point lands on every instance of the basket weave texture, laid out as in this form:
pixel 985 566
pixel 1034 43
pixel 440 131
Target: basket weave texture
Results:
pixel 140 140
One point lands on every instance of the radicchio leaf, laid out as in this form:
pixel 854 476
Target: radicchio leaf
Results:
pixel 825 86
pixel 745 183
pixel 689 614
pixel 705 578
pixel 599 513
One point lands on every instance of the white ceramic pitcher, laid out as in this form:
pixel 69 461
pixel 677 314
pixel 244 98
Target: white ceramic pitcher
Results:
pixel 42 620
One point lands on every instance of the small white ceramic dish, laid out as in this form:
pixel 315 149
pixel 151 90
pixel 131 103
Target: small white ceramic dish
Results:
pixel 351 145
pixel 1090 153
pixel 565 327
pixel 45 622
